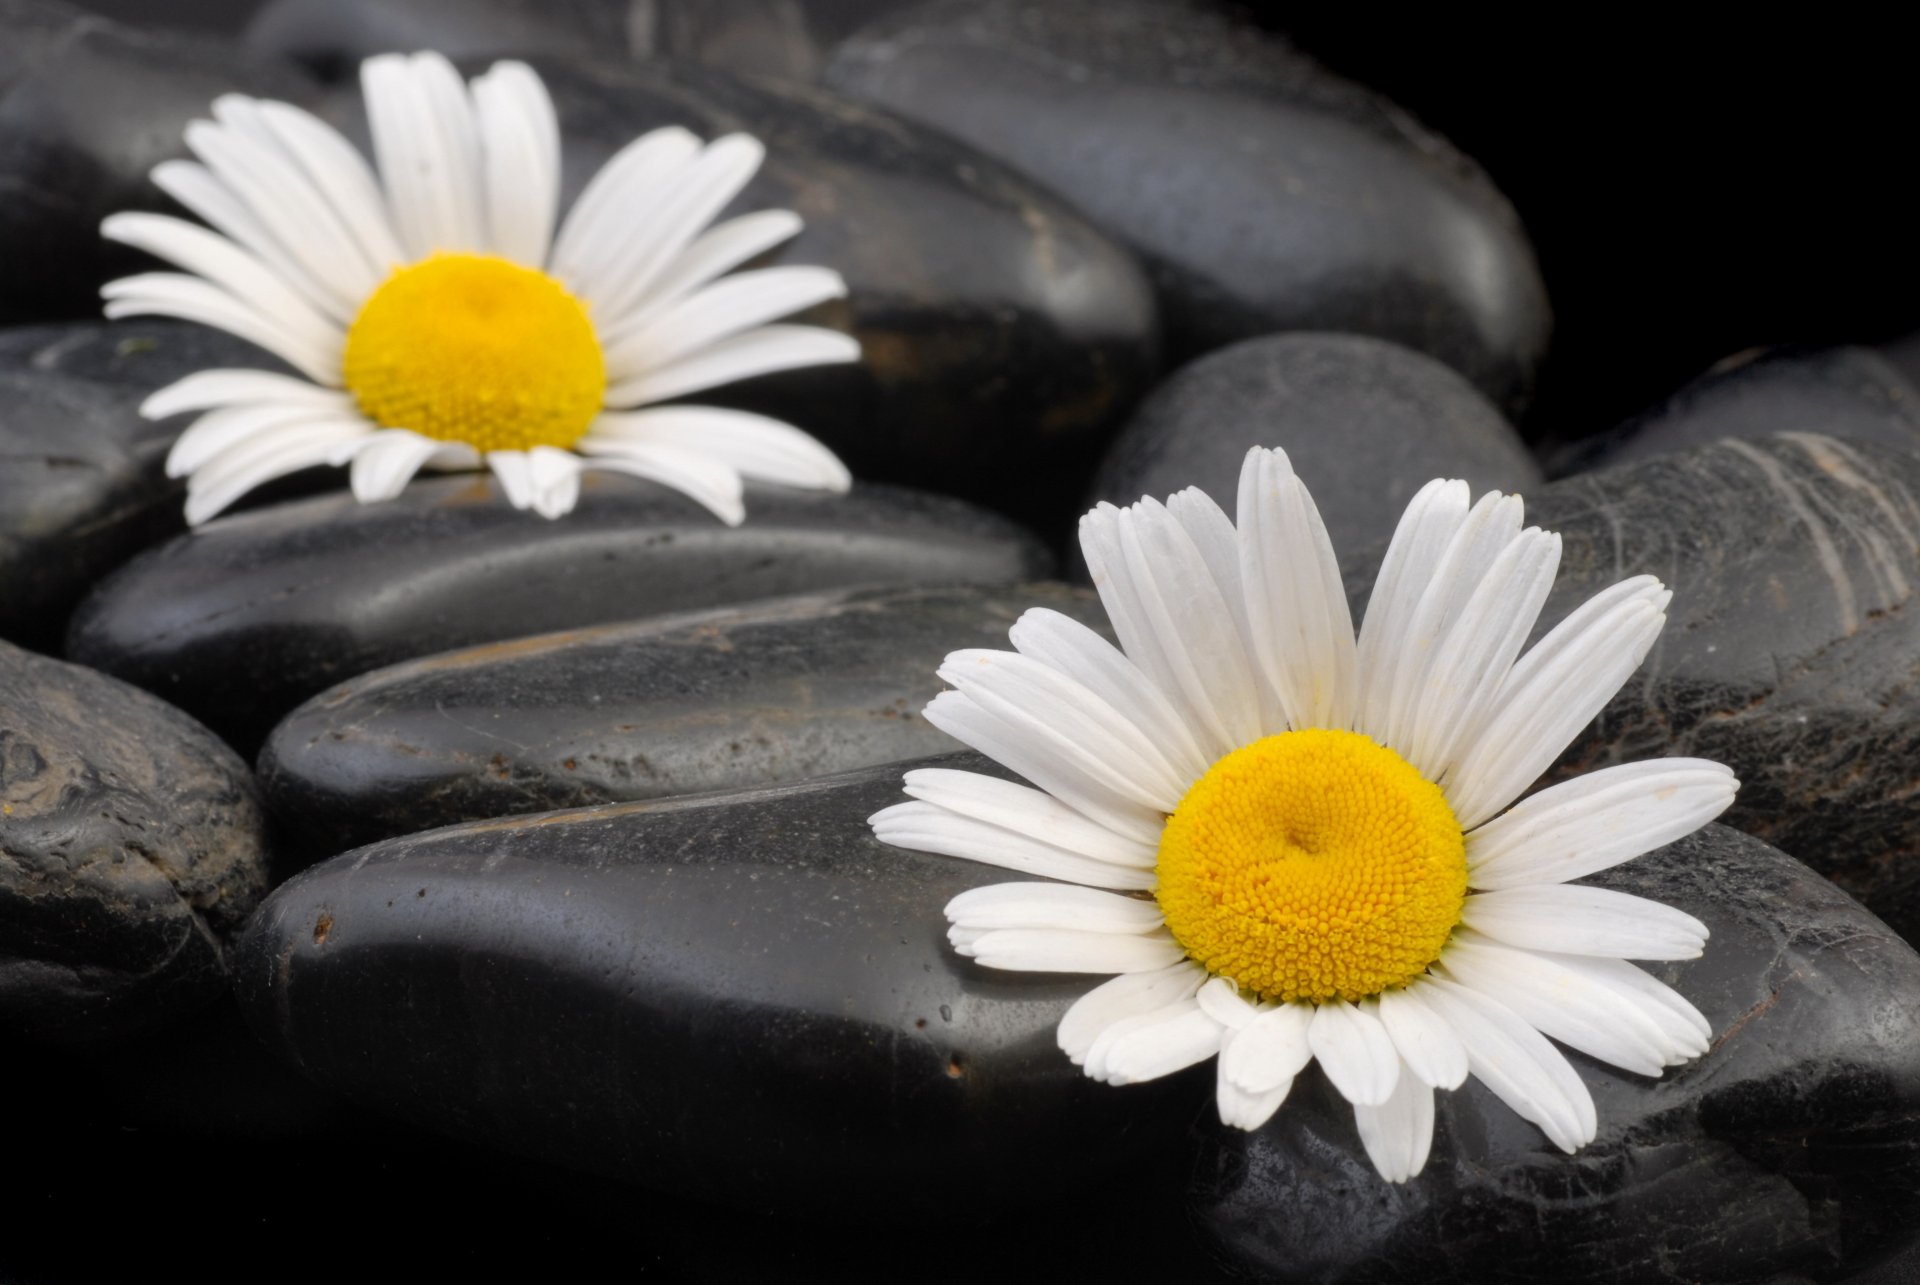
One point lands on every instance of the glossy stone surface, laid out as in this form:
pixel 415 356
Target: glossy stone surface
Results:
pixel 1366 423
pixel 1792 647
pixel 251 614
pixel 996 323
pixel 1791 1151
pixel 1265 193
pixel 740 996
pixel 1853 393
pixel 87 107
pixel 769 692
pixel 82 482
pixel 131 849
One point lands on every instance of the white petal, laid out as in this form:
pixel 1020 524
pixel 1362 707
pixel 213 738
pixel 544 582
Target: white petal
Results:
pixel 1683 1025
pixel 1270 1050
pixel 427 147
pixel 194 186
pixel 250 163
pixel 744 356
pixel 719 311
pixel 520 154
pixel 1471 660
pixel 1222 1001
pixel 1061 950
pixel 262 459
pixel 1426 1044
pixel 1125 997
pixel 709 482
pixel 342 175
pixel 1596 821
pixel 926 827
pixel 1069 720
pixel 221 431
pixel 660 235
pixel 516 476
pixel 1052 905
pixel 1038 760
pixel 1578 920
pixel 1517 1064
pixel 1492 523
pixel 1213 534
pixel 612 208
pixel 752 445
pixel 384 465
pixel 1302 632
pixel 1157 1049
pixel 1173 621
pixel 1424 532
pixel 555 475
pixel 1398 1133
pixel 717 251
pixel 1553 692
pixel 1353 1048
pixel 1239 1108
pixel 1560 1004
pixel 226 265
pixel 1027 811
pixel 207 389
pixel 173 294
pixel 1072 648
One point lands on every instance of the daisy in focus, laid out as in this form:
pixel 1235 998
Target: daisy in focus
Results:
pixel 439 319
pixel 1292 846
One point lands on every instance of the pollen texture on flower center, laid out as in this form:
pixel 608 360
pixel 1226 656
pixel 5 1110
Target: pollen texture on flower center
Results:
pixel 1310 865
pixel 471 348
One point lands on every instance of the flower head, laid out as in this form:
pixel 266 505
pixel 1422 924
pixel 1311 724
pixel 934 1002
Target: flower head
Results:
pixel 440 321
pixel 1295 846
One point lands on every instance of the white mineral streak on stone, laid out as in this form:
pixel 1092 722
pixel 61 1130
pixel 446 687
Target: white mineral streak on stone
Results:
pixel 1823 546
pixel 1892 559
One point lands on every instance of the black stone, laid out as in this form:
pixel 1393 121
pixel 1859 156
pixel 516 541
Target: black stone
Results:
pixel 763 37
pixel 130 852
pixel 87 108
pixel 1790 1152
pixel 1366 423
pixel 770 692
pixel 251 614
pixel 997 324
pixel 742 996
pixel 82 481
pixel 1853 393
pixel 1265 193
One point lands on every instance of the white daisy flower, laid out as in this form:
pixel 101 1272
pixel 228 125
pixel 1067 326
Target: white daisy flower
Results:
pixel 442 322
pixel 1294 847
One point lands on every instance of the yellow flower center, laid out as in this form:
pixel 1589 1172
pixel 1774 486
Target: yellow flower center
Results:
pixel 1313 864
pixel 471 348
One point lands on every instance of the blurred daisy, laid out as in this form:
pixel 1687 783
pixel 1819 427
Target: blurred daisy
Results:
pixel 1311 843
pixel 440 321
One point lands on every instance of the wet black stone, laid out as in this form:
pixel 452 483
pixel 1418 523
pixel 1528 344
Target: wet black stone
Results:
pixel 1853 393
pixel 1265 193
pixel 996 323
pixel 87 108
pixel 130 852
pixel 1790 1152
pixel 769 692
pixel 82 481
pixel 1792 645
pixel 743 997
pixel 1366 423
pixel 251 614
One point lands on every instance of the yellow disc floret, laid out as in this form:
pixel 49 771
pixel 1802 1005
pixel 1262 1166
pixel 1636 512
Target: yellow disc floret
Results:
pixel 1310 865
pixel 472 348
